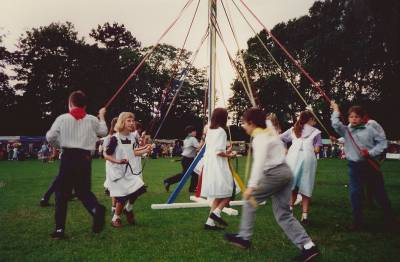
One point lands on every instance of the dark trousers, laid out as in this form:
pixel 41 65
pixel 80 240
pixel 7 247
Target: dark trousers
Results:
pixel 186 161
pixel 361 174
pixel 75 172
pixel 52 189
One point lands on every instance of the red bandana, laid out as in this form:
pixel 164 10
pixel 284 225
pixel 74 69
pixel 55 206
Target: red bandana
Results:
pixel 78 112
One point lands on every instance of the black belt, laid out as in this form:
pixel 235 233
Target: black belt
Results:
pixel 75 150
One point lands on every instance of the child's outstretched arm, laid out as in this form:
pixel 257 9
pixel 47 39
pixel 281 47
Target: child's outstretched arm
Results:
pixel 339 127
pixel 142 150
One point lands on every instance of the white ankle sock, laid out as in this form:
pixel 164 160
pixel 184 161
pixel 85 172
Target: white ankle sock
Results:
pixel 210 222
pixel 309 245
pixel 128 207
pixel 115 217
pixel 304 215
pixel 217 212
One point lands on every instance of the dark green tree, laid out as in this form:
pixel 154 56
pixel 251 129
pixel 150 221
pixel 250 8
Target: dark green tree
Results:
pixel 350 47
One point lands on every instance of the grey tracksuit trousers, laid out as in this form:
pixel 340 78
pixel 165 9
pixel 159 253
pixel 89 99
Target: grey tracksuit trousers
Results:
pixel 276 183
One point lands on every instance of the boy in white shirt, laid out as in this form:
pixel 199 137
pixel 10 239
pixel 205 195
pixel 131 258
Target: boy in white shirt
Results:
pixel 76 133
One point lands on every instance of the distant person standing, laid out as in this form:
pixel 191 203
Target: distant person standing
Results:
pixel 15 153
pixel 76 132
pixel 190 146
pixel 9 151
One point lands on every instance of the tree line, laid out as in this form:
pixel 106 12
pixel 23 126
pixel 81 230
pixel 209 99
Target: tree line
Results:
pixel 352 47
pixel 51 61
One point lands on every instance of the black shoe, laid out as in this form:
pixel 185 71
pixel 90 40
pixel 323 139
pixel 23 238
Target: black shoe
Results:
pixel 304 221
pixel 236 240
pixel 213 228
pixel 307 254
pixel 72 197
pixel 355 227
pixel 166 185
pixel 44 203
pixel 218 219
pixel 99 219
pixel 107 192
pixel 392 224
pixel 58 234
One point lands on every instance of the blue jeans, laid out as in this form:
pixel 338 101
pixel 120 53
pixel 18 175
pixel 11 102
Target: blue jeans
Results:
pixel 360 174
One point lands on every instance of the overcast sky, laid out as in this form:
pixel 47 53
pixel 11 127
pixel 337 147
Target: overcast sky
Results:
pixel 147 19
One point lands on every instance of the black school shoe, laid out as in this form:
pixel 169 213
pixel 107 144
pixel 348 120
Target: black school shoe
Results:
pixel 307 254
pixel 58 234
pixel 304 221
pixel 99 219
pixel 213 228
pixel 218 219
pixel 356 227
pixel 166 185
pixel 238 241
pixel 44 203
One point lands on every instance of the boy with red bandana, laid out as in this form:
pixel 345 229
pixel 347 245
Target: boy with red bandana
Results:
pixel 76 133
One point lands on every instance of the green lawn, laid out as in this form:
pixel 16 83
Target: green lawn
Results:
pixel 177 235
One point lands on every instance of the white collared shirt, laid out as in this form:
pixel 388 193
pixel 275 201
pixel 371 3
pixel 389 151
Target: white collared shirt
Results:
pixel 268 152
pixel 68 132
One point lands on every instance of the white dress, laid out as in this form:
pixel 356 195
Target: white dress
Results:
pixel 137 160
pixel 302 161
pixel 217 178
pixel 106 141
pixel 124 179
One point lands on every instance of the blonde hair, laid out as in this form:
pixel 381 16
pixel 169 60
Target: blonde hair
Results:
pixel 120 125
pixel 274 121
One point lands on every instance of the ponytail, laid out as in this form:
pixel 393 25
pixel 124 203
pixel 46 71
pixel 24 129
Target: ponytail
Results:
pixel 304 117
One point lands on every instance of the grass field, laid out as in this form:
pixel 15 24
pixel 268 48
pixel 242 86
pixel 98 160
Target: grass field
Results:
pixel 177 235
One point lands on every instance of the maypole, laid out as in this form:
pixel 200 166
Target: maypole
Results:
pixel 212 16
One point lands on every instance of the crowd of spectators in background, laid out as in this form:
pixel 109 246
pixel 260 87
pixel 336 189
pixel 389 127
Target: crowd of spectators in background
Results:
pixel 46 153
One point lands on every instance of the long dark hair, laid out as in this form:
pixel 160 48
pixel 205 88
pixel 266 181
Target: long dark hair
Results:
pixel 305 116
pixel 255 116
pixel 219 118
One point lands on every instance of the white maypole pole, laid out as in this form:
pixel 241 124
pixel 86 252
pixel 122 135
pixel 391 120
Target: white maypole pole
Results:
pixel 212 16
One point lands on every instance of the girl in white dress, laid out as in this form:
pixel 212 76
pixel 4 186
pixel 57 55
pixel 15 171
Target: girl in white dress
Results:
pixel 217 180
pixel 301 158
pixel 125 182
pixel 106 141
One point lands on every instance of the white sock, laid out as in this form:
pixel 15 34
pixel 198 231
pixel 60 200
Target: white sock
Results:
pixel 115 217
pixel 309 245
pixel 217 212
pixel 128 207
pixel 304 215
pixel 210 222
